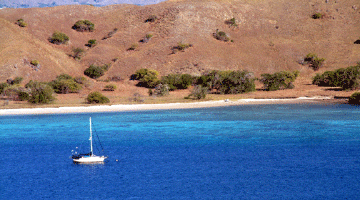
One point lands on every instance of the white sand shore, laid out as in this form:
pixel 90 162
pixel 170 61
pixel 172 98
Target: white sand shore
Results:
pixel 137 107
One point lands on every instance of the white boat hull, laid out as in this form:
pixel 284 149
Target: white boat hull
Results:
pixel 90 159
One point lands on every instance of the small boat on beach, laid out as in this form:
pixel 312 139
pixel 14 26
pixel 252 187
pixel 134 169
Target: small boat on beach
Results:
pixel 89 157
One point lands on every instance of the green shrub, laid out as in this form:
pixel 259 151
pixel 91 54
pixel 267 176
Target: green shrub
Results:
pixel 228 82
pixel 314 61
pixel 17 80
pixel 40 92
pixel 91 43
pixel 96 71
pixel 220 35
pixel 97 97
pixel 84 25
pixel 21 23
pixel 3 86
pixel 181 47
pixel 198 92
pixel 317 16
pixel 64 84
pixel 231 22
pixel 35 62
pixel 133 47
pixel 110 87
pixel 177 81
pixel 77 53
pixel 59 38
pixel 279 80
pixel 151 18
pixel 355 98
pixel 23 96
pixel 347 79
pixel 146 38
pixel 110 34
pixel 161 90
pixel 147 78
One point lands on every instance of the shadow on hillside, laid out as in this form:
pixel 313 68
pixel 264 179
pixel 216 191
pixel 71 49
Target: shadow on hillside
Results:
pixel 357 42
pixel 334 89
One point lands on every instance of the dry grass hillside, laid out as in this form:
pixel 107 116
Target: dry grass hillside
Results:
pixel 272 35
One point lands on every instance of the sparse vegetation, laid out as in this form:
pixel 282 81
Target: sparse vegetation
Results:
pixel 151 18
pixel 3 86
pixel 35 62
pixel 133 47
pixel 77 53
pixel 147 77
pixel 279 80
pixel 231 22
pixel 198 92
pixel 64 84
pixel 147 38
pixel 96 71
pixel 110 87
pixel 97 97
pixel 110 34
pixel 220 35
pixel 91 43
pixel 317 16
pixel 161 90
pixel 84 25
pixel 347 79
pixel 21 23
pixel 314 61
pixel 59 38
pixel 181 47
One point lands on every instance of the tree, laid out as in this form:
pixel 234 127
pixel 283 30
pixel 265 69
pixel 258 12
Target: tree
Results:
pixel 91 43
pixel 97 97
pixel 110 87
pixel 78 53
pixel 314 61
pixel 64 84
pixel 21 23
pixel 355 98
pixel 279 80
pixel 198 92
pixel 147 78
pixel 96 71
pixel 161 90
pixel 40 92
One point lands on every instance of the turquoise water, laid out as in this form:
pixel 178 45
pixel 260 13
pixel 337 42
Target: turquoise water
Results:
pixel 241 152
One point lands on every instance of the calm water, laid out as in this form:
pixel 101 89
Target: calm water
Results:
pixel 242 152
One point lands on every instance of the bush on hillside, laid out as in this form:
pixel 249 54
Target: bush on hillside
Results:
pixel 91 43
pixel 97 97
pixel 146 38
pixel 151 18
pixel 347 79
pixel 21 23
pixel 180 47
pixel 147 77
pixel 314 61
pixel 59 38
pixel 279 80
pixel 64 84
pixel 110 34
pixel 3 86
pixel 17 80
pixel 317 16
pixel 110 87
pixel 177 81
pixel 40 92
pixel 96 71
pixel 355 98
pixel 220 35
pixel 133 47
pixel 231 22
pixel 77 53
pixel 84 25
pixel 35 62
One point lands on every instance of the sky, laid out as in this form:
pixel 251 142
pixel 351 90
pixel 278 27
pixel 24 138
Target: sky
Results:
pixel 50 3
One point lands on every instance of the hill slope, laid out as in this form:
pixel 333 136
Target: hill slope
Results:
pixel 270 36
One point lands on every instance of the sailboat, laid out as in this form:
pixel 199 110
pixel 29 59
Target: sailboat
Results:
pixel 89 157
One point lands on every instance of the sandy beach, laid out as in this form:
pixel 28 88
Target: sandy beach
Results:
pixel 139 107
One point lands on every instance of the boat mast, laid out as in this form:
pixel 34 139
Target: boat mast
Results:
pixel 91 146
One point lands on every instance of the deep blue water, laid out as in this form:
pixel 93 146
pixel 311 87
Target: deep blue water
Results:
pixel 242 152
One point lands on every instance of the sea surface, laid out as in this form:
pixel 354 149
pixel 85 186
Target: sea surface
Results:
pixel 299 151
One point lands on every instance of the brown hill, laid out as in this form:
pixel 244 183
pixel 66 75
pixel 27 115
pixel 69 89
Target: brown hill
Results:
pixel 271 35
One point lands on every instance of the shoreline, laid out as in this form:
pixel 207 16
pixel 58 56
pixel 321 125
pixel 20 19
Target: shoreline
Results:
pixel 166 106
